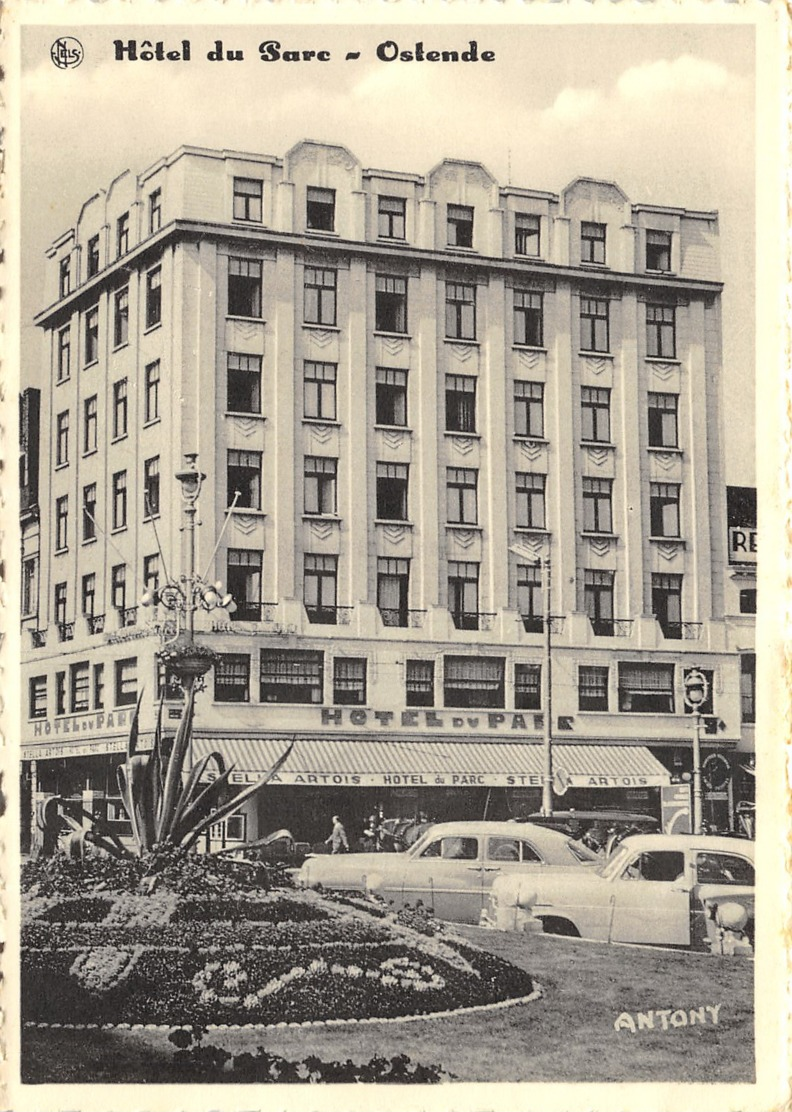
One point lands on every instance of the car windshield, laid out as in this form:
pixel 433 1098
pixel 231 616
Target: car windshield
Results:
pixel 615 864
pixel 581 852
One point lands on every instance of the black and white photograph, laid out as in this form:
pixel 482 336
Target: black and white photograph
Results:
pixel 393 693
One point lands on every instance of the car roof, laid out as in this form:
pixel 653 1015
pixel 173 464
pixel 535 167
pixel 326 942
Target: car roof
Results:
pixel 713 842
pixel 596 816
pixel 490 826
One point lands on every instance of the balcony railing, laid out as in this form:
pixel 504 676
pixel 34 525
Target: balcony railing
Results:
pixel 473 619
pixel 611 627
pixel 39 638
pixel 65 631
pixel 129 616
pixel 95 622
pixel 532 623
pixel 329 615
pixel 412 619
pixel 681 631
pixel 254 612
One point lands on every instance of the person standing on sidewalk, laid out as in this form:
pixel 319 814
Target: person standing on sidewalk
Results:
pixel 338 839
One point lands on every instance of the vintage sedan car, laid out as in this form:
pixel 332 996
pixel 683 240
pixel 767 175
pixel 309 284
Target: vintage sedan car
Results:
pixel 684 890
pixel 450 869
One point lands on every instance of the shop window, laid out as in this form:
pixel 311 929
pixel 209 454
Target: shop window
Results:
pixel 151 406
pixel 392 491
pixel 460 403
pixel 391 397
pixel 748 687
pixel 658 250
pixel 61 523
pixel 419 683
pixel 319 390
pixel 391 217
pixel 126 689
pixel 390 304
pixel 119 500
pixel 707 707
pixel 291 676
pixel 62 439
pixel 349 681
pixel 37 697
pixel 474 681
pixel 597 505
pixel 528 408
pixel 595 414
pixel 89 512
pixel 90 424
pixel 155 211
pixel 154 297
pixel 592 242
pixel 243 580
pixel 529 597
pixel 320 477
pixel 646 688
pixel 232 678
pixel 460 311
pixel 244 479
pixel 93 256
pixel 526 233
pixel 248 196
pixel 594 324
pixel 320 209
pixel 92 335
pixel 320 296
pixel 121 318
pixel 393 586
pixel 528 686
pixel 244 287
pixel 463 593
pixel 462 495
pixel 592 687
pixel 598 601
pixel 80 687
pixel 527 318
pixel 120 409
pixel 530 500
pixel 661 331
pixel 320 584
pixel 151 487
pixel 667 604
pixel 459 219
pixel 64 354
pixel 663 420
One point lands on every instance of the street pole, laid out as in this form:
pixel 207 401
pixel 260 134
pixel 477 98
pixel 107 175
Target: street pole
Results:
pixel 547 700
pixel 697 795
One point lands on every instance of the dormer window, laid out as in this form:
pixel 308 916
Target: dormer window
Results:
pixel 320 209
pixel 460 226
pixel 658 250
pixel 592 243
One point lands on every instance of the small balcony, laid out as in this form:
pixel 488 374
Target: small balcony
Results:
pixel 39 638
pixel 254 612
pixel 532 623
pixel 128 615
pixel 681 631
pixel 473 619
pixel 329 615
pixel 401 617
pixel 95 623
pixel 611 627
pixel 65 631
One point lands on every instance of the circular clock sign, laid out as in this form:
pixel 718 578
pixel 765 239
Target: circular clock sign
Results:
pixel 716 771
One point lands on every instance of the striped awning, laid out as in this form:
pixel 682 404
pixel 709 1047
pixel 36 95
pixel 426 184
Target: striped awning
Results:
pixel 414 762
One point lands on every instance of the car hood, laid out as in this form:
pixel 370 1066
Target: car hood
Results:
pixel 334 864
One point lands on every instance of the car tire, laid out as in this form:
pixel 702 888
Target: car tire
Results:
pixel 553 925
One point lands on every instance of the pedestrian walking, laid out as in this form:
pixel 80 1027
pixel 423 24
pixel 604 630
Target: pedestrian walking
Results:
pixel 338 840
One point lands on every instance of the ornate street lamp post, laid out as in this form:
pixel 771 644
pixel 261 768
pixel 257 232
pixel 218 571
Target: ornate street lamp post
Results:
pixel 696 691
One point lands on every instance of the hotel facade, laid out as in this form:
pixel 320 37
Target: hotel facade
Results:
pixel 415 397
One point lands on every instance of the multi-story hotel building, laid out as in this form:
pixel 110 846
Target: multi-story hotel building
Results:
pixel 408 392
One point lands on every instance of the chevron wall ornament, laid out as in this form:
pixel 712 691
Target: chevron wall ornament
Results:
pixel 392 344
pixel 319 337
pixel 321 529
pixel 320 434
pixel 463 445
pixel 394 438
pixel 530 450
pixel 600 546
pixel 245 524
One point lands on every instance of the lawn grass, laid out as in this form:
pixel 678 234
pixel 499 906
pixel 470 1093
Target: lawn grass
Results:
pixel 569 1035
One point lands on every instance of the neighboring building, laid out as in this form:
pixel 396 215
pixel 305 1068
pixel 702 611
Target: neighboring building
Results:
pixel 411 389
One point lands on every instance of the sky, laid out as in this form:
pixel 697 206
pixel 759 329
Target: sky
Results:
pixel 666 111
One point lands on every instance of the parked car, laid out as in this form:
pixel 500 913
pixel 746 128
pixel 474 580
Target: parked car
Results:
pixel 450 869
pixel 600 830
pixel 681 890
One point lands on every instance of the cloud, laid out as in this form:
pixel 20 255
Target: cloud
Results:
pixel 685 75
pixel 573 106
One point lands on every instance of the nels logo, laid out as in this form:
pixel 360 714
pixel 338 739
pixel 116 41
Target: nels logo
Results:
pixel 66 53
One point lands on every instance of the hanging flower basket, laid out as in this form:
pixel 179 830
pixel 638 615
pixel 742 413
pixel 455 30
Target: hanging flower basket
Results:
pixel 186 658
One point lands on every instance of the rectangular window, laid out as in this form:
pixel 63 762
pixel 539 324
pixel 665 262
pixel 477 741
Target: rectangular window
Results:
pixel 390 304
pixel 460 311
pixel 155 211
pixel 661 331
pixel 748 600
pixel 391 217
pixel 169 685
pixel 61 522
pixel 594 324
pixel 528 408
pixel 664 509
pixel 248 195
pixel 151 487
pixel 320 578
pixel 89 512
pixel 597 505
pixel 243 477
pixel 663 420
pixel 463 593
pixel 80 687
pixel 592 242
pixel 30 585
pixel 151 572
pixel 232 678
pixel 474 681
pixel 118 587
pixel 126 691
pixel 90 424
pixel 598 600
pixel 393 587
pixel 121 318
pixel 320 209
pixel 120 408
pixel 319 390
pixel 530 500
pixel 62 438
pixel 595 414
pixel 646 688
pixel 320 295
pixel 526 233
pixel 37 699
pixel 243 383
pixel 64 276
pixel 460 225
pixel 748 686
pixel 93 256
pixel 462 495
pixel 528 686
pixel 64 354
pixel 243 581
pixel 320 477
pixel 151 407
pixel 154 297
pixel 119 500
pixel 460 403
pixel 658 250
pixel 60 692
pixel 392 491
pixel 98 686
pixel 122 235
pixel 244 288
pixel 419 683
pixel 667 604
pixel 391 397
pixel 592 687
pixel 528 318
pixel 291 676
pixel 529 597
pixel 60 604
pixel 91 335
pixel 349 681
